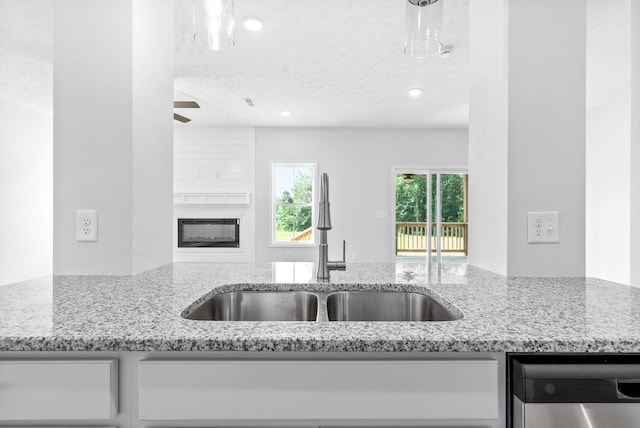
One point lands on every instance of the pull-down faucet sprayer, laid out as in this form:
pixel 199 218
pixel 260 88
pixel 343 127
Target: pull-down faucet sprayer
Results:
pixel 324 224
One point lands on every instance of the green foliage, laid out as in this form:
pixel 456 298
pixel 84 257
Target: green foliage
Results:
pixel 286 198
pixel 452 186
pixel 292 218
pixel 411 199
pixel 302 187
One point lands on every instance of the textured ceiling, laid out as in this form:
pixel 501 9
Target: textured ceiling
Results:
pixel 330 62
pixel 26 53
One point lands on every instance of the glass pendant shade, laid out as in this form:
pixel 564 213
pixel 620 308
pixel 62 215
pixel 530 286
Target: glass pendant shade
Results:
pixel 213 24
pixel 423 26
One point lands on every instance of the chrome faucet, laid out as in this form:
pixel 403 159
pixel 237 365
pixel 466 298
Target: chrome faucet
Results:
pixel 324 224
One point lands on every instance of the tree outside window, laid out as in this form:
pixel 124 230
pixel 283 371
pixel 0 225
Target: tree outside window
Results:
pixel 411 198
pixel 293 189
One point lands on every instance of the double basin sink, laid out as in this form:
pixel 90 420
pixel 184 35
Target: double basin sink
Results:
pixel 321 306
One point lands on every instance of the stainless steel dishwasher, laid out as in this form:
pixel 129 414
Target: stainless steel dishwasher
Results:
pixel 574 391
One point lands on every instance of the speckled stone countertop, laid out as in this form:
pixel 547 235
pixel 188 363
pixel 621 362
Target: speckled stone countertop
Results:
pixel 142 312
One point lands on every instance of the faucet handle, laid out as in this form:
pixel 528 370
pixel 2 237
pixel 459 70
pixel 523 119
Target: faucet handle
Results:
pixel 342 264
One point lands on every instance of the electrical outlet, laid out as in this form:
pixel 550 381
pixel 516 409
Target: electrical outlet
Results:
pixel 543 227
pixel 354 256
pixel 86 225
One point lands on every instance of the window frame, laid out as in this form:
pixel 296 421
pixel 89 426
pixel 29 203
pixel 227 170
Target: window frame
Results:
pixel 274 205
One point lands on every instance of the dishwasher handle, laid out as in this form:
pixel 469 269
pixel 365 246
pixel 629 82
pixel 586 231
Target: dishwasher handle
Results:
pixel 629 388
pixel 576 383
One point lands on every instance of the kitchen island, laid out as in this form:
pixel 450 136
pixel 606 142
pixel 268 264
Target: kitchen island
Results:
pixel 124 340
pixel 142 312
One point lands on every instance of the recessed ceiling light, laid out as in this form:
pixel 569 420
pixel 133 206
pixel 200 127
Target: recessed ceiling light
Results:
pixel 415 92
pixel 285 113
pixel 252 23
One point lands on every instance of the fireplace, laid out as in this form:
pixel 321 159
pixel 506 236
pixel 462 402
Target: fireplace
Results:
pixel 209 232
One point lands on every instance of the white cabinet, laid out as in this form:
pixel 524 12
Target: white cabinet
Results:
pixel 38 390
pixel 319 390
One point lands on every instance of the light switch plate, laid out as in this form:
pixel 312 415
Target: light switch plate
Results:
pixel 543 227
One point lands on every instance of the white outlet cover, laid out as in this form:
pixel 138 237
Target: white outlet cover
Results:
pixel 543 227
pixel 86 225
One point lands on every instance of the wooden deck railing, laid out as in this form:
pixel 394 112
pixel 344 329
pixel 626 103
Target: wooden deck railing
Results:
pixel 411 237
pixel 305 235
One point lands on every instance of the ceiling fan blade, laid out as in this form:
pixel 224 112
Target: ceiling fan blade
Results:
pixel 185 104
pixel 180 118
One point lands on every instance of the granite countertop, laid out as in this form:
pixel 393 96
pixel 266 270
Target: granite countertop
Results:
pixel 142 312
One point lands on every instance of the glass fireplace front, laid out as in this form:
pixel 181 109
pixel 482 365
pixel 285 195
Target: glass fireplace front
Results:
pixel 209 232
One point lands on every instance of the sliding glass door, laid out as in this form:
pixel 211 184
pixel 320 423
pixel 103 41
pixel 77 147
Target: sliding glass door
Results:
pixel 431 215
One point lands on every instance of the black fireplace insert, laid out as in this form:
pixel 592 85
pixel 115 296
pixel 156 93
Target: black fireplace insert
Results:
pixel 209 232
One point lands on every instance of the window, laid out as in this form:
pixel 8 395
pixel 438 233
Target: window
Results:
pixel 293 190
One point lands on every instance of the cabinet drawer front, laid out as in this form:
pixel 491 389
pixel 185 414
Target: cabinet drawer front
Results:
pixel 58 389
pixel 318 390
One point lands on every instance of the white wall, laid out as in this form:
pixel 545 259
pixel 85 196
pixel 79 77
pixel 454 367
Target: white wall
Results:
pixel 547 133
pixel 152 193
pixel 608 167
pixel 488 140
pixel 215 161
pixel 544 156
pixel 359 164
pixel 92 134
pixel 26 192
pixel 635 144
pixel 608 192
pixel 112 133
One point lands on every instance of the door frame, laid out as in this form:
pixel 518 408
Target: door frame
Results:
pixel 414 169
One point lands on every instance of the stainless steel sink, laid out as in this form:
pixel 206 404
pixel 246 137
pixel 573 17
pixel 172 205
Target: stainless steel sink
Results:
pixel 385 306
pixel 321 306
pixel 258 306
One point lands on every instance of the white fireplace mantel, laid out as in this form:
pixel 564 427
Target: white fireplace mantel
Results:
pixel 242 198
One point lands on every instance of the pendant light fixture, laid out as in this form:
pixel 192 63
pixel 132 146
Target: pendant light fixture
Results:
pixel 213 24
pixel 423 26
